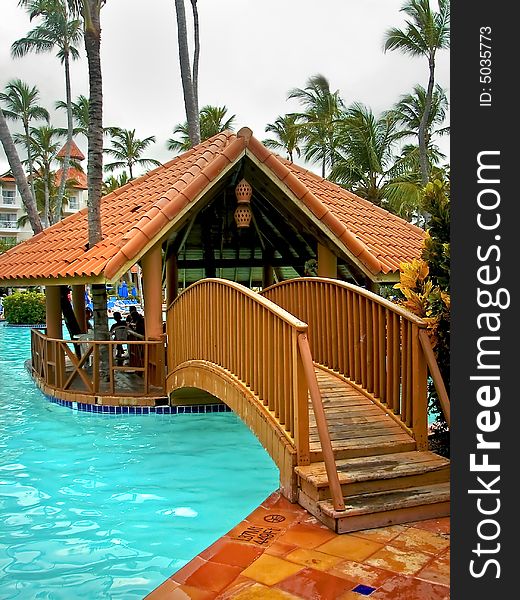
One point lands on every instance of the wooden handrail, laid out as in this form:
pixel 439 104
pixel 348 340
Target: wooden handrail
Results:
pixel 321 423
pixel 264 346
pixel 371 341
pixel 349 286
pixel 436 374
pixel 57 363
pixel 226 324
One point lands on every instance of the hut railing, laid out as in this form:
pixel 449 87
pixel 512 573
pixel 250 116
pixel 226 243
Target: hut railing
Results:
pixel 75 366
pixel 377 345
pixel 263 346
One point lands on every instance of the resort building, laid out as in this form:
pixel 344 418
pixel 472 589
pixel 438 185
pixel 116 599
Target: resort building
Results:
pixel 11 206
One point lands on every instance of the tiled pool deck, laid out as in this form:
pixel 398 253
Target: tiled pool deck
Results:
pixel 281 552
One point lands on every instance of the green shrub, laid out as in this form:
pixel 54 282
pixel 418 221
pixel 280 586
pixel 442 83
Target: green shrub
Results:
pixel 25 308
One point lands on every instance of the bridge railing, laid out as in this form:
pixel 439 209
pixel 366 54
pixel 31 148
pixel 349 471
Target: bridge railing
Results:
pixel 263 346
pixel 226 324
pixel 74 366
pixel 376 344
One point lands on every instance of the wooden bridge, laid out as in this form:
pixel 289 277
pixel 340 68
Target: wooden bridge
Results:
pixel 332 379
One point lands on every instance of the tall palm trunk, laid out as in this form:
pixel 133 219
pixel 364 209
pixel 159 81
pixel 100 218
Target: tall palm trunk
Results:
pixel 29 157
pixel 196 51
pixel 423 125
pixel 70 125
pixel 192 112
pixel 46 199
pixel 91 15
pixel 19 175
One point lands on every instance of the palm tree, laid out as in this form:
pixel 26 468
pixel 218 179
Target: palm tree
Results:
pixel 90 11
pixel 113 183
pixel 426 32
pixel 57 30
pixel 127 150
pixel 366 162
pixel 323 109
pixel 212 120
pixel 288 135
pixel 21 104
pixel 80 110
pixel 15 164
pixel 196 51
pixel 410 109
pixel 45 145
pixel 190 96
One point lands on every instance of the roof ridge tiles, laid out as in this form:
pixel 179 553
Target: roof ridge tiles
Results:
pixel 137 214
pixel 150 225
pixel 316 206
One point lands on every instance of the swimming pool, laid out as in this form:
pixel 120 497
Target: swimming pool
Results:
pixel 99 506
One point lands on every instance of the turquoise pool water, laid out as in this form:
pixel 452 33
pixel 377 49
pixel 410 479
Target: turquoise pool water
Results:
pixel 98 506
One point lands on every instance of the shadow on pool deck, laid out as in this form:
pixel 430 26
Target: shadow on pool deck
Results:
pixel 280 551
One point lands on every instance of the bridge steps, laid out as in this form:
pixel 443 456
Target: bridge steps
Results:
pixel 384 479
pixel 357 426
pixel 375 474
pixel 366 511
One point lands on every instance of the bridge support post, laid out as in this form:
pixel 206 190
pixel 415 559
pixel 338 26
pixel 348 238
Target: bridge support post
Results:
pixel 327 263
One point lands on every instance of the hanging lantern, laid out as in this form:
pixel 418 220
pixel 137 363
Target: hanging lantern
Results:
pixel 243 214
pixel 243 191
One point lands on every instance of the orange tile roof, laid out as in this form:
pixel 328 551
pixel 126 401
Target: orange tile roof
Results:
pixel 8 176
pixel 134 216
pixel 73 174
pixel 75 152
pixel 383 239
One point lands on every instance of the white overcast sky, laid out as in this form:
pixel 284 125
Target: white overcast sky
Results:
pixel 252 53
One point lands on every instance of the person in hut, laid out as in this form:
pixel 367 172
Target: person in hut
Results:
pixel 119 331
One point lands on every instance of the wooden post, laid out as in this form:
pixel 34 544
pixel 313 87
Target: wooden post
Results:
pixel 53 311
pixel 327 263
pixel 152 291
pixel 55 360
pixel 78 301
pixel 419 392
pixel 153 323
pixel 172 279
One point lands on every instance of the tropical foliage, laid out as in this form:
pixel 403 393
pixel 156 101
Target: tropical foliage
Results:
pixel 426 32
pixel 21 103
pixel 56 30
pixel 127 150
pixel 80 110
pixel 288 135
pixel 425 286
pixel 24 308
pixel 44 144
pixel 212 120
pixel 114 182
pixel 365 156
pixel 323 109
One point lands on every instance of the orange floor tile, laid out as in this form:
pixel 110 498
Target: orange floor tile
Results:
pixel 281 552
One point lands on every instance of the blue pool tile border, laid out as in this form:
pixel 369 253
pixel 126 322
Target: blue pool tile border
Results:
pixel 140 410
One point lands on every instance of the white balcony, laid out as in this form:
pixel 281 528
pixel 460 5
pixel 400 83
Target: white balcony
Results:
pixel 9 225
